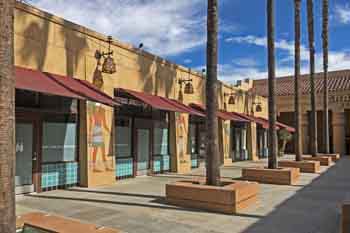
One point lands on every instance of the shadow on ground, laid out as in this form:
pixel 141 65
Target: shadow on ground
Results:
pixel 314 208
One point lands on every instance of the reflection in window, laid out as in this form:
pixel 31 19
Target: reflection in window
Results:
pixel 123 138
pixel 161 141
pixel 59 141
pixel 193 139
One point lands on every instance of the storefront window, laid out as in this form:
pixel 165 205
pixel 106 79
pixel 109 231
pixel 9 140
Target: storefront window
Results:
pixel 193 139
pixel 123 138
pixel 59 140
pixel 161 141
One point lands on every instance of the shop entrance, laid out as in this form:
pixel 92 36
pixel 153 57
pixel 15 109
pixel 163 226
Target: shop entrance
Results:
pixel 143 151
pixel 26 156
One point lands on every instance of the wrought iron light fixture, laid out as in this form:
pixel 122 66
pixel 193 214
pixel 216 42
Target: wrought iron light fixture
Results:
pixel 188 84
pixel 231 99
pixel 258 107
pixel 108 65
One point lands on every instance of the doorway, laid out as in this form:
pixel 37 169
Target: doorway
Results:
pixel 143 151
pixel 26 157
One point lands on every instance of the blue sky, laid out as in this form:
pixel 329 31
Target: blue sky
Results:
pixel 175 29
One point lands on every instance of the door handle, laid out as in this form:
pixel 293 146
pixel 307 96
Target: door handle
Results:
pixel 35 156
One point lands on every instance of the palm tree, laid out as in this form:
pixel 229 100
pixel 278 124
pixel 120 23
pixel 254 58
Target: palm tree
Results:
pixel 7 153
pixel 325 73
pixel 272 83
pixel 298 141
pixel 213 160
pixel 313 117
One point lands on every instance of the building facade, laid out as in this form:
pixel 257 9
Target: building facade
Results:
pixel 339 108
pixel 76 125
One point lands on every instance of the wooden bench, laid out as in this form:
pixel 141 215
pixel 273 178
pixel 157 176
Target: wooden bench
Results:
pixel 54 223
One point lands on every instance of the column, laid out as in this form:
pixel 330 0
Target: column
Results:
pixel 304 133
pixel 338 130
pixel 96 152
pixel 252 141
pixel 179 146
pixel 225 141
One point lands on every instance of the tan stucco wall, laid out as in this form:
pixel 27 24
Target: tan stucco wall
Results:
pixel 337 125
pixel 48 43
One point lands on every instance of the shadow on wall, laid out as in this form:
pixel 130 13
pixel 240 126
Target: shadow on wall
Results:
pixel 37 49
pixel 158 78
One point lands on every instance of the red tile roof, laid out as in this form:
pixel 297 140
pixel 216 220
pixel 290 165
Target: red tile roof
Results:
pixel 337 81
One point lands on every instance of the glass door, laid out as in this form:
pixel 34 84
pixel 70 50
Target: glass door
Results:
pixel 25 154
pixel 143 151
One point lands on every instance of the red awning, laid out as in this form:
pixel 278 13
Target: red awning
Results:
pixel 287 127
pixel 33 80
pixel 263 123
pixel 186 108
pixel 53 84
pixel 83 88
pixel 221 114
pixel 159 102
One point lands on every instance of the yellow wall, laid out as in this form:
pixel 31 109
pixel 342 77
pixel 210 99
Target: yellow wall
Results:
pixel 49 43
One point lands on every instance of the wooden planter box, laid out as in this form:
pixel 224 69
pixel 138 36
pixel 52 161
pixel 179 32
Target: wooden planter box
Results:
pixel 229 198
pixel 335 157
pixel 324 160
pixel 283 176
pixel 345 218
pixel 304 166
pixel 53 223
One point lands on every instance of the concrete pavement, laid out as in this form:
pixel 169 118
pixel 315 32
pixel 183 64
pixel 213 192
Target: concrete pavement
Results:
pixel 137 205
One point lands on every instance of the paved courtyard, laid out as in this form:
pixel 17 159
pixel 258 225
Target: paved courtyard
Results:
pixel 137 205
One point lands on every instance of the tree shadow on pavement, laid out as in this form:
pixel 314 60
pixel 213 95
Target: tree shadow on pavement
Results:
pixel 313 209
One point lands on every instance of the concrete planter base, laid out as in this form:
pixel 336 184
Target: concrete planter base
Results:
pixel 283 176
pixel 324 160
pixel 335 157
pixel 304 166
pixel 229 198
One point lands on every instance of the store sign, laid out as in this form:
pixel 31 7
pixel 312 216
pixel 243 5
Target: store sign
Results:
pixel 343 100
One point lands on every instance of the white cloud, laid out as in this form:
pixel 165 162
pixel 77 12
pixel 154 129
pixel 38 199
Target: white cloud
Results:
pixel 342 13
pixel 231 73
pixel 165 28
pixel 284 45
pixel 187 61
pixel 244 62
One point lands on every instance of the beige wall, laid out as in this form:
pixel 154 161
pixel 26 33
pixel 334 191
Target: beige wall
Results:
pixel 49 43
pixel 337 125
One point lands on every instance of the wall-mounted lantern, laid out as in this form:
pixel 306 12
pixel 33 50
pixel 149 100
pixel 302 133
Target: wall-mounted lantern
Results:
pixel 189 90
pixel 188 86
pixel 231 97
pixel 258 107
pixel 108 65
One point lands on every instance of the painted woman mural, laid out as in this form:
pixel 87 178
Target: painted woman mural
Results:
pixel 181 132
pixel 98 130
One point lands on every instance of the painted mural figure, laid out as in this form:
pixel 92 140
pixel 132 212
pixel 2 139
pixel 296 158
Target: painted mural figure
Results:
pixel 98 127
pixel 181 130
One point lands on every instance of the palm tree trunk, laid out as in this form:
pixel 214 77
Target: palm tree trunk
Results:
pixel 7 153
pixel 313 116
pixel 213 160
pixel 272 163
pixel 297 107
pixel 325 70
